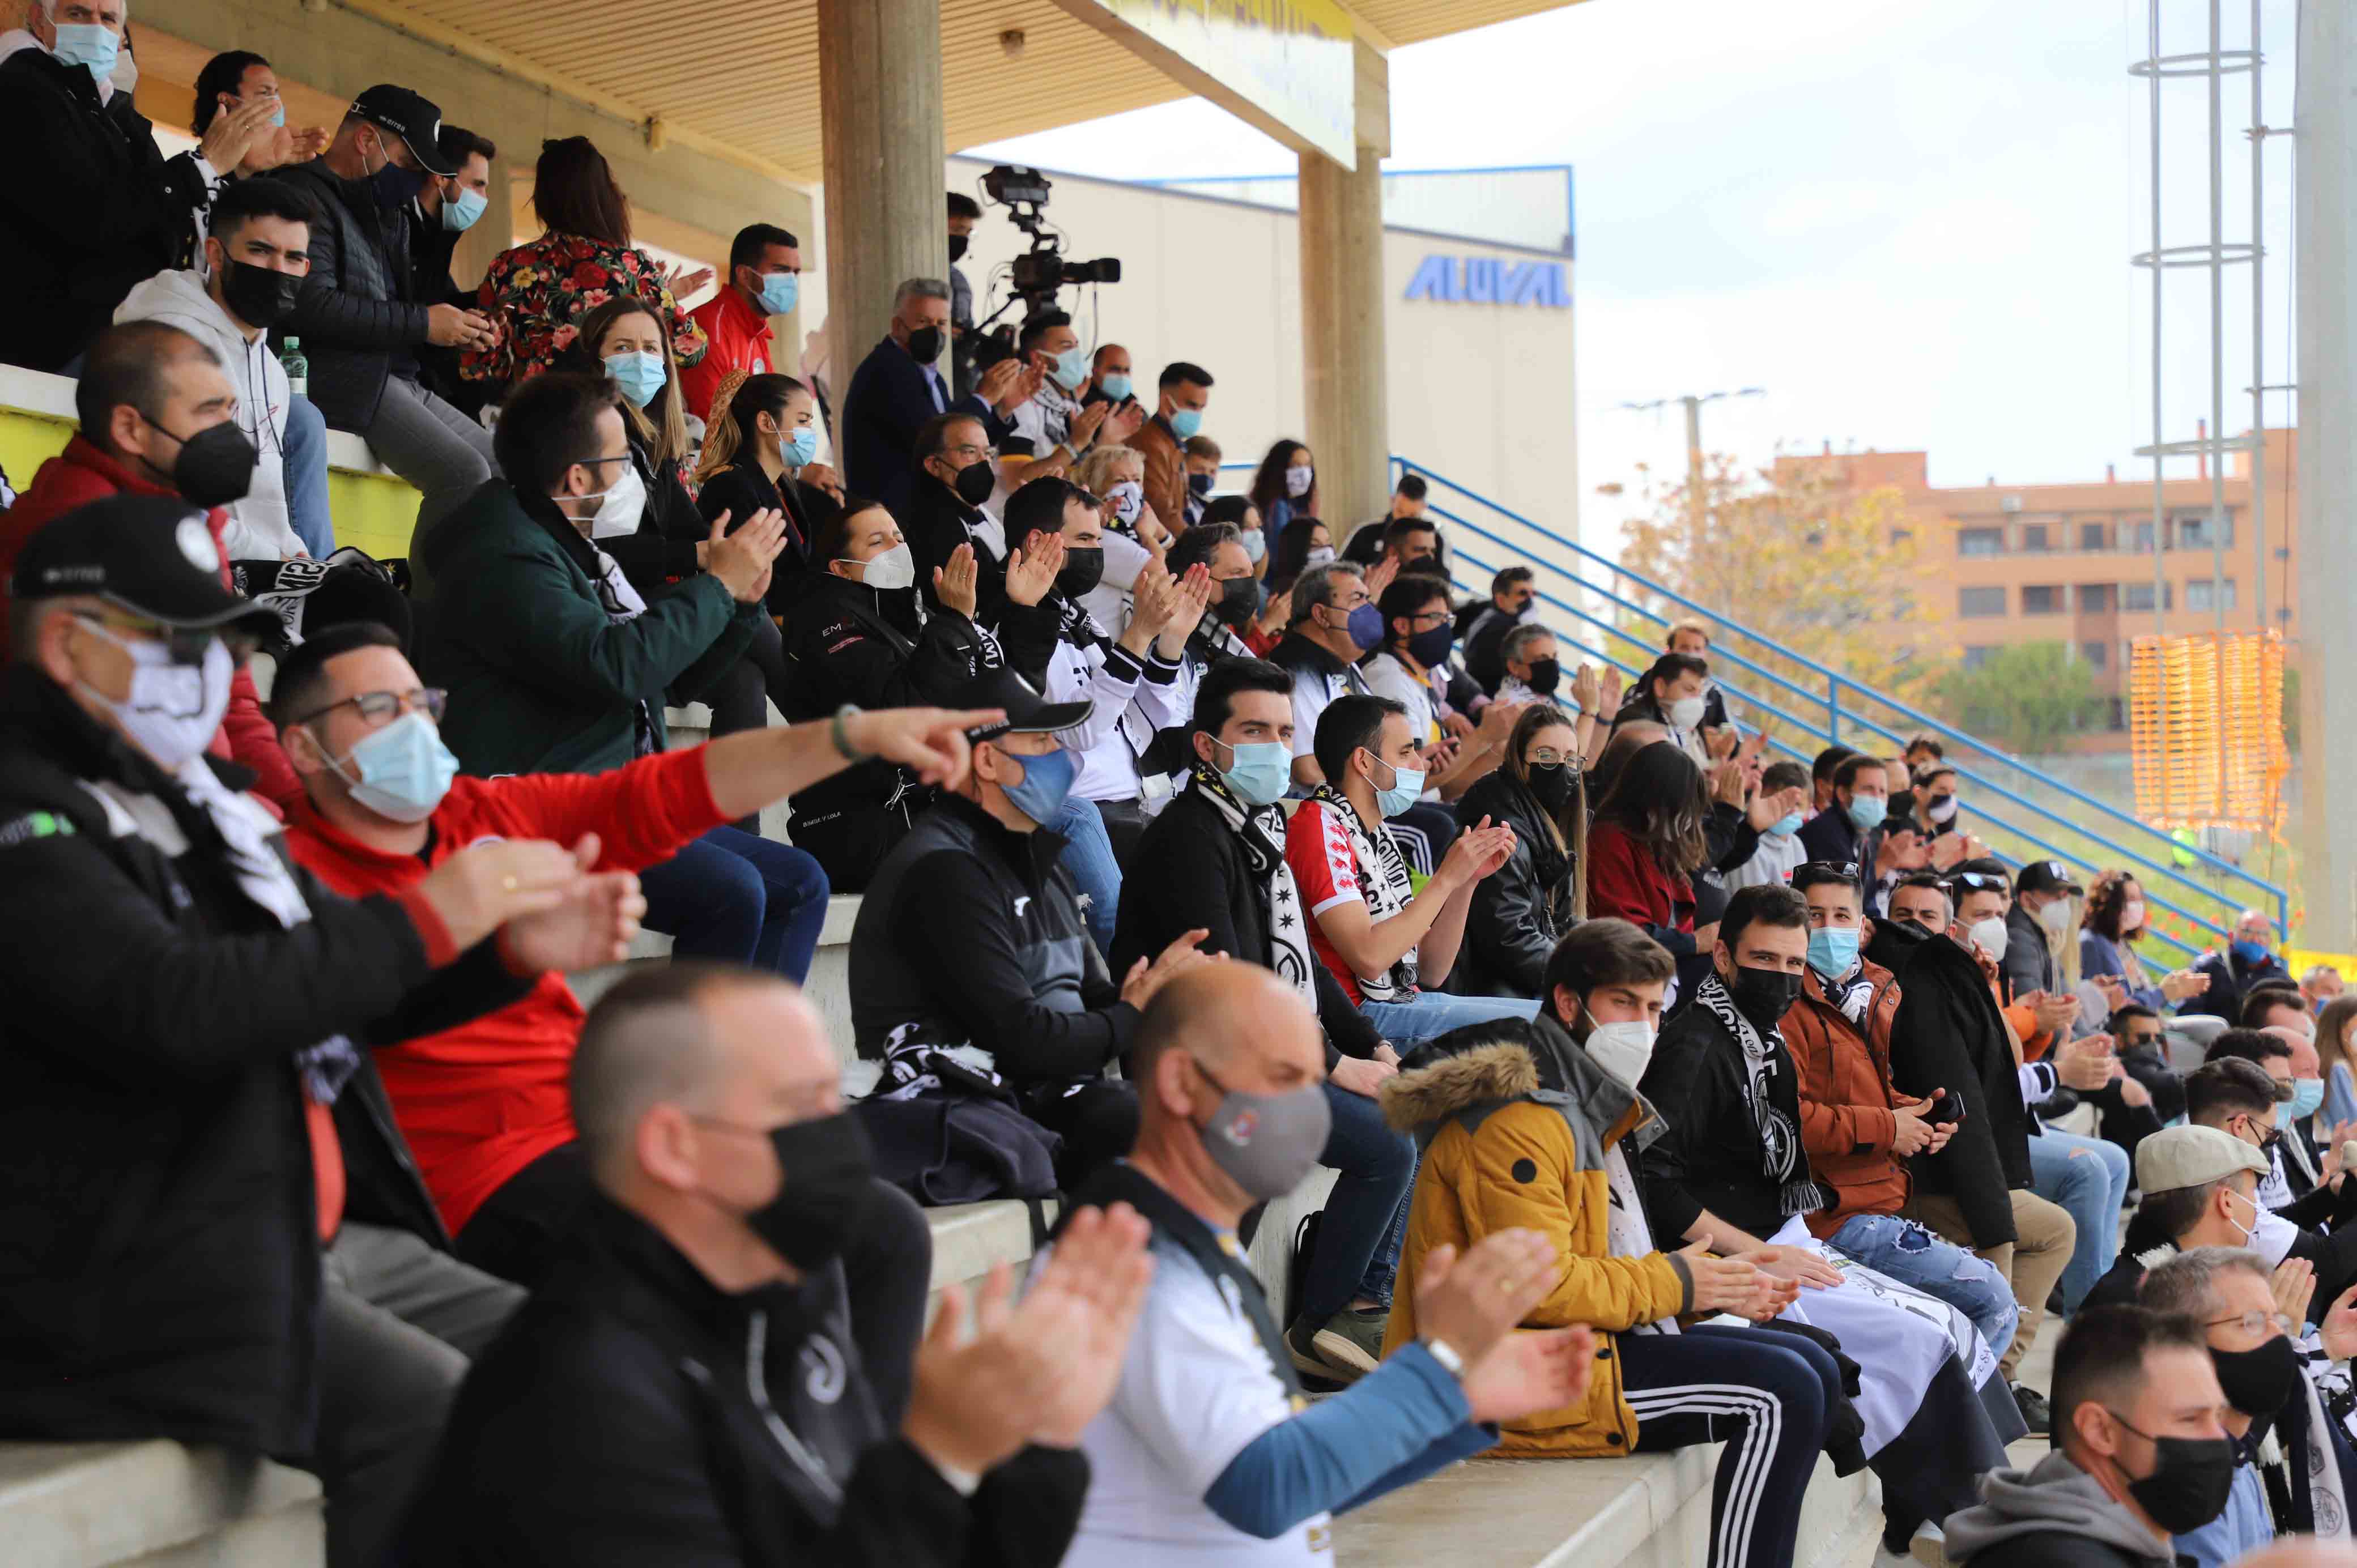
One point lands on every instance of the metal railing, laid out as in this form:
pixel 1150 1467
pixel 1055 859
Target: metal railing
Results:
pixel 1842 711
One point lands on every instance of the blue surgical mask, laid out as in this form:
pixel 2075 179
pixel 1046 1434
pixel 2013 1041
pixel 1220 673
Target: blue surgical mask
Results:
pixel 2307 1094
pixel 2248 951
pixel 638 373
pixel 459 212
pixel 1114 386
pixel 1186 423
pixel 1867 812
pixel 88 44
pixel 1260 771
pixel 1366 626
pixel 1786 826
pixel 780 291
pixel 1406 789
pixel 405 770
pixel 799 447
pixel 278 118
pixel 1072 369
pixel 1833 951
pixel 1255 545
pixel 1047 779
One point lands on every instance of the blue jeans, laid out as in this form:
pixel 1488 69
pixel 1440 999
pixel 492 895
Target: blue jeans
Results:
pixel 2089 1178
pixel 739 899
pixel 306 478
pixel 1434 1012
pixel 1365 1220
pixel 1088 855
pixel 1913 1256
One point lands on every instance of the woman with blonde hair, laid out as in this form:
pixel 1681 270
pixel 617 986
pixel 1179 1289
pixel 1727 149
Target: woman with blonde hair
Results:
pixel 626 341
pixel 1116 476
pixel 1519 914
pixel 2338 1055
pixel 760 435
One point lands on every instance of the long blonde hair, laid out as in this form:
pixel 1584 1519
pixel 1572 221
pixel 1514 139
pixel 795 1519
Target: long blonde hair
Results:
pixel 665 435
pixel 1569 830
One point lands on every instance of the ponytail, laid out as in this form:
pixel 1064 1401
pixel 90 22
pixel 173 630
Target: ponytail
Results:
pixel 734 425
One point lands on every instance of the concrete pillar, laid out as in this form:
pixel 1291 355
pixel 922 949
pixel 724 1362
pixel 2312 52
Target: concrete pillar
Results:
pixel 2325 193
pixel 880 100
pixel 1343 302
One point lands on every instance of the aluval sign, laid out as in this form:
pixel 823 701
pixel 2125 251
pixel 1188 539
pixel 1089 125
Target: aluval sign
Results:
pixel 1487 280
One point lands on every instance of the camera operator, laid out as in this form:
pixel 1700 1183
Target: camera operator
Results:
pixel 1058 424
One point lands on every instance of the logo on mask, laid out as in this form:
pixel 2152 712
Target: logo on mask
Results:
pixel 1239 1131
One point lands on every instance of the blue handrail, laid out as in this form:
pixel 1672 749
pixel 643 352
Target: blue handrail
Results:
pixel 1835 683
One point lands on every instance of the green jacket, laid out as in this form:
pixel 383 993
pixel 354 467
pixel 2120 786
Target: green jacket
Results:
pixel 542 680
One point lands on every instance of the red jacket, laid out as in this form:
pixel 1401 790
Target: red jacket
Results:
pixel 1625 880
pixel 480 1102
pixel 741 340
pixel 82 474
pixel 1847 1122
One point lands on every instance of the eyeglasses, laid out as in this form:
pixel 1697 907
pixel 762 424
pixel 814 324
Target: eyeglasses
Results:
pixel 379 707
pixel 2255 1322
pixel 968 450
pixel 1548 756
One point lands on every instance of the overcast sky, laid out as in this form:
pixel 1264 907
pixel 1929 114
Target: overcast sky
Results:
pixel 1909 223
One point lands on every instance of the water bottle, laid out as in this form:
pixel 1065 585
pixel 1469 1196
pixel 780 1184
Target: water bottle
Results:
pixel 299 369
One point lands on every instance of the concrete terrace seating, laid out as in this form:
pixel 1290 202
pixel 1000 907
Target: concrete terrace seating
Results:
pixel 156 1505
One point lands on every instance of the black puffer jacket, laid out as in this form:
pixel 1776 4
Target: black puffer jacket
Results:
pixel 358 315
pixel 159 1251
pixel 1517 914
pixel 90 209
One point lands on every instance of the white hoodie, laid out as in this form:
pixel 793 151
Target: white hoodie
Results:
pixel 258 525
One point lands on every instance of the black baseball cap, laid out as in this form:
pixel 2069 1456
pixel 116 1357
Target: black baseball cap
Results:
pixel 1027 712
pixel 415 119
pixel 151 555
pixel 2045 877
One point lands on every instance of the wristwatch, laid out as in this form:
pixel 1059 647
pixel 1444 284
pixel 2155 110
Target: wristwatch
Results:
pixel 841 738
pixel 1443 1352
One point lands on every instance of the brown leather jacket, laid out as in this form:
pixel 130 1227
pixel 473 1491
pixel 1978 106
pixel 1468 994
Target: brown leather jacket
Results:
pixel 1165 472
pixel 1846 1121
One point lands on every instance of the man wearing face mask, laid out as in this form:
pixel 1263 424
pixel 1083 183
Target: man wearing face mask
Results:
pixel 1540 1126
pixel 1779 852
pixel 188 1010
pixel 1534 670
pixel 948 505
pixel 972 932
pixel 2139 1454
pixel 444 212
pixel 1201 455
pixel 1333 624
pixel 1051 431
pixel 256 253
pixel 1216 641
pixel 1214 861
pixel 1852 829
pixel 359 315
pixel 156 417
pixel 1209 1452
pixel 898 387
pixel 2039 921
pixel 1185 391
pixel 707 1291
pixel 1512 593
pixel 2248 961
pixel 2200 1188
pixel 765 278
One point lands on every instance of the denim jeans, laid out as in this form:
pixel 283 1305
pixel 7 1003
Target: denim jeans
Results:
pixel 1088 855
pixel 1365 1220
pixel 306 459
pixel 1913 1256
pixel 739 899
pixel 2088 1177
pixel 1434 1012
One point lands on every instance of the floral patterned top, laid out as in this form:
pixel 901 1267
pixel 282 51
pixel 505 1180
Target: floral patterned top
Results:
pixel 539 292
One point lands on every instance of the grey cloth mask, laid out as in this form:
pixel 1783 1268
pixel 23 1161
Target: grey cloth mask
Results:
pixel 1267 1144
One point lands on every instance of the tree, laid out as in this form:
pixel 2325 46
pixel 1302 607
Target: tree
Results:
pixel 2026 697
pixel 1828 574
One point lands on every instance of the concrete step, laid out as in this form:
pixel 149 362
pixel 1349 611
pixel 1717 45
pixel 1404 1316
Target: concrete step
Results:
pixel 78 1505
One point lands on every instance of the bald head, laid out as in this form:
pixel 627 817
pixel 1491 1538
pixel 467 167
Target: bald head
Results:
pixel 1239 1020
pixel 1628 740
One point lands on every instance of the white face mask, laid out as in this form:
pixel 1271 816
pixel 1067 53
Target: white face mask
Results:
pixel 2132 916
pixel 2250 1233
pixel 895 568
pixel 619 509
pixel 1991 936
pixel 173 710
pixel 1623 1049
pixel 1296 479
pixel 1686 712
pixel 2056 917
pixel 1128 499
pixel 1319 556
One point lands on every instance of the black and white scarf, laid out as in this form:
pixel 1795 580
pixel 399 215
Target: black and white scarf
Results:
pixel 1262 833
pixel 1773 1095
pixel 1382 884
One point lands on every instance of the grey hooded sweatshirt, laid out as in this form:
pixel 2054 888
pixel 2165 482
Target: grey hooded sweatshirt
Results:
pixel 2054 1516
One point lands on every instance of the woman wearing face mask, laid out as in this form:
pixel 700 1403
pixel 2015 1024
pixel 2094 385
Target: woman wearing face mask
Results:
pixel 1671 693
pixel 1541 892
pixel 846 642
pixel 2114 921
pixel 1239 513
pixel 538 291
pixel 1300 544
pixel 1646 846
pixel 1285 486
pixel 763 433
pixel 1116 476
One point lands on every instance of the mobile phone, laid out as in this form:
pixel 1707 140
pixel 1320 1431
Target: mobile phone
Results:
pixel 1949 1107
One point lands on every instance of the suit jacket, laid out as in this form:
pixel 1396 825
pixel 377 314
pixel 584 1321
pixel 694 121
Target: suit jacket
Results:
pixel 889 400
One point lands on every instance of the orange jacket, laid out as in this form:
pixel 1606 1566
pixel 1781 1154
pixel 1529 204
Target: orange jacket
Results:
pixel 1165 472
pixel 1848 1124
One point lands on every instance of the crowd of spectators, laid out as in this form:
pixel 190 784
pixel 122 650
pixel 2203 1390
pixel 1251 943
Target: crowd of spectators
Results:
pixel 1672 1094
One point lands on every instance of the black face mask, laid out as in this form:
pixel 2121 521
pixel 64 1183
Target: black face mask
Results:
pixel 957 247
pixel 925 345
pixel 1430 648
pixel 2258 1382
pixel 260 296
pixel 1544 674
pixel 974 482
pixel 215 465
pixel 393 185
pixel 1239 601
pixel 829 1175
pixel 1082 571
pixel 2190 1481
pixel 1552 783
pixel 1763 995
pixel 1200 483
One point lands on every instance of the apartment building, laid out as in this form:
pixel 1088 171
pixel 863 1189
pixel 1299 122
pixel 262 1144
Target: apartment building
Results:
pixel 2073 562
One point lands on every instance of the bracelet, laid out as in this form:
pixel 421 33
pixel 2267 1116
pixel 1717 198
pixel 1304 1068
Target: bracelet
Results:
pixel 835 732
pixel 1446 1354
